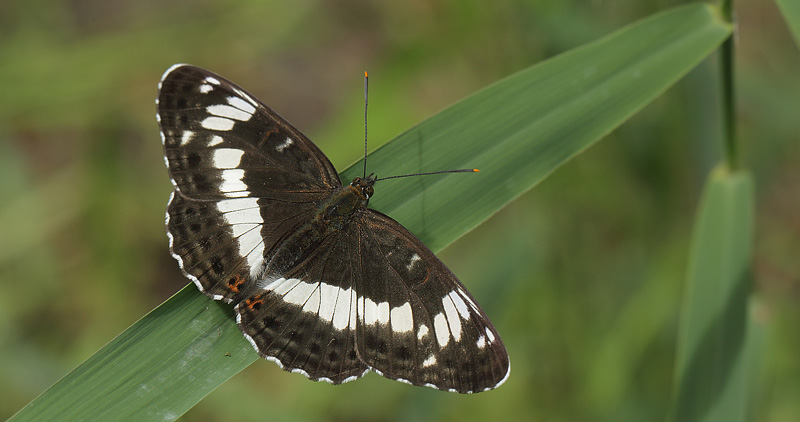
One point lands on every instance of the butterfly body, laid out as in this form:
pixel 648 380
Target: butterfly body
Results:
pixel 322 285
pixel 330 219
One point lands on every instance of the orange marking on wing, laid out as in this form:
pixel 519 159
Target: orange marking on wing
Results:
pixel 235 283
pixel 251 303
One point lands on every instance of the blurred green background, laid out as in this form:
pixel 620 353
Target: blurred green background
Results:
pixel 583 276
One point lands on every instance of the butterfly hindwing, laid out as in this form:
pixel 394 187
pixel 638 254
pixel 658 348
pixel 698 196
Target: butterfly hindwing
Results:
pixel 223 245
pixel 416 322
pixel 306 319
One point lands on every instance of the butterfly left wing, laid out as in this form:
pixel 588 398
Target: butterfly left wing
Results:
pixel 416 322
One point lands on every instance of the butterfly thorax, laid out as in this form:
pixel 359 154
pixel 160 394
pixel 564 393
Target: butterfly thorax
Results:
pixel 333 216
pixel 335 212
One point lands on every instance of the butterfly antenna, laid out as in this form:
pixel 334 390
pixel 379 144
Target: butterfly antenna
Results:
pixel 366 86
pixel 430 173
pixel 366 102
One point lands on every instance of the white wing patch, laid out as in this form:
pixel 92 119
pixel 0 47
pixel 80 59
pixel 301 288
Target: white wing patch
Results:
pixel 227 158
pixel 452 317
pixel 215 140
pixel 245 219
pixel 312 304
pixel 422 331
pixel 223 110
pixel 373 313
pixel 327 307
pixel 241 210
pixel 344 313
pixel 489 334
pixel 383 313
pixel 247 97
pixel 284 145
pixel 455 296
pixel 232 185
pixel 412 261
pixel 441 329
pixel 471 303
pixel 242 105
pixel 217 123
pixel 299 293
pixel 186 137
pixel 402 319
pixel 368 310
pixel 328 302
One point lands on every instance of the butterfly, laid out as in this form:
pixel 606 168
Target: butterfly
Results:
pixel 322 285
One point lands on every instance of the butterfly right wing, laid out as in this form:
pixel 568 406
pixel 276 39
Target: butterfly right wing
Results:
pixel 220 142
pixel 244 179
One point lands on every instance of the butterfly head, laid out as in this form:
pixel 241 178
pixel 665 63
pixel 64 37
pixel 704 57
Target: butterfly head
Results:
pixel 364 186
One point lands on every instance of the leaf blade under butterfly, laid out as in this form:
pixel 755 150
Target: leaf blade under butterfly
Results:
pixel 190 336
pixel 522 128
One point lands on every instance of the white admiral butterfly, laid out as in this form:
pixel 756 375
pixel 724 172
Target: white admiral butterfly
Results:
pixel 323 285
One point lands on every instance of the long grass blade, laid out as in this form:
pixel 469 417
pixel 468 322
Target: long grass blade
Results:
pixel 712 364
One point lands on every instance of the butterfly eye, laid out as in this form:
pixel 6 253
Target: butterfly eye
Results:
pixel 369 191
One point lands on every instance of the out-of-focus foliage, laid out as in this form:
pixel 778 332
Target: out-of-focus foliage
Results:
pixel 583 276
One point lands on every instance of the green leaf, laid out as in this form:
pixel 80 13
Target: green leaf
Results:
pixel 712 364
pixel 517 131
pixel 791 12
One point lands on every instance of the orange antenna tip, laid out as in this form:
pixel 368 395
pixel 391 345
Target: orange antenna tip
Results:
pixel 365 74
pixel 475 170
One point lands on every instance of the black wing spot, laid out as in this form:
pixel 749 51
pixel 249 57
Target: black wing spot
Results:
pixel 200 182
pixel 371 341
pixel 403 352
pixel 269 321
pixel 216 265
pixel 382 346
pixel 194 159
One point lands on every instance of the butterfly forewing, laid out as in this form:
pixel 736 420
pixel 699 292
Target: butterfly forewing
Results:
pixel 220 142
pixel 322 285
pixel 416 322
